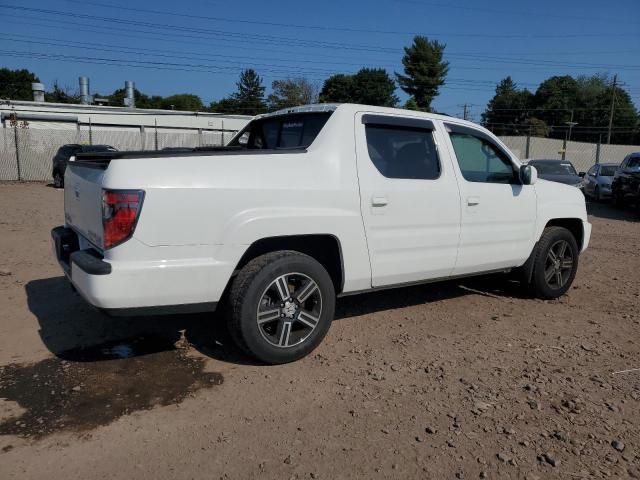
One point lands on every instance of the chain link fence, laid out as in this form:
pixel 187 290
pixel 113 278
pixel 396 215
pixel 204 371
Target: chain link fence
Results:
pixel 582 155
pixel 26 154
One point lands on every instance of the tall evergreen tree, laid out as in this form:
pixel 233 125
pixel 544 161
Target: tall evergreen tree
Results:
pixel 250 94
pixel 424 70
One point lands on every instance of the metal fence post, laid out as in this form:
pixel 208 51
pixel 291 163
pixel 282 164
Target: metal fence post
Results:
pixel 15 136
pixel 199 137
pixel 90 133
pixel 527 148
pixel 142 138
pixel 598 148
pixel 156 136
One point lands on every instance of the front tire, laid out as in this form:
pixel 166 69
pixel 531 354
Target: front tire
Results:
pixel 281 306
pixel 618 200
pixel 555 264
pixel 58 180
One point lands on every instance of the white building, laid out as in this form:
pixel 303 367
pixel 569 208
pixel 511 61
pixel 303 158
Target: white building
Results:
pixel 33 131
pixel 203 128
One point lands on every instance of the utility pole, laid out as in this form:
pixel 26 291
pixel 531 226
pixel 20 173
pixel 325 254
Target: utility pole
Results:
pixel 466 110
pixel 613 106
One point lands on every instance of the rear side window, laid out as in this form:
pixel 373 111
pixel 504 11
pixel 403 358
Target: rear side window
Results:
pixel 403 152
pixel 297 130
pixel 480 161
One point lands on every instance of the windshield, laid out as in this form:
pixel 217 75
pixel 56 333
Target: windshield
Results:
pixel 559 168
pixel 296 130
pixel 608 171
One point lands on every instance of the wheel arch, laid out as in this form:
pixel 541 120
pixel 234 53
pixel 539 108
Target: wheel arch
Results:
pixel 324 248
pixel 574 225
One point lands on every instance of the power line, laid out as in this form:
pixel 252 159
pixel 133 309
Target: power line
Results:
pixel 308 26
pixel 285 39
pixel 161 37
pixel 501 11
pixel 464 56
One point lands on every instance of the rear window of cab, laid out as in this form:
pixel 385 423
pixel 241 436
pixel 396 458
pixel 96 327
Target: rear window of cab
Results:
pixel 292 131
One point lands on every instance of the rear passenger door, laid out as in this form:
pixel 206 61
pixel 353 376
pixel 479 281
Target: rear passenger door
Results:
pixel 409 199
pixel 498 212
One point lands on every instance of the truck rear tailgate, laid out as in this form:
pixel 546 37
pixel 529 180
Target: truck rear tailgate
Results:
pixel 83 200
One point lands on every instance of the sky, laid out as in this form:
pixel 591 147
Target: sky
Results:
pixel 200 46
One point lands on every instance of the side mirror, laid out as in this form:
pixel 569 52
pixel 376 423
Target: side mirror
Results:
pixel 528 174
pixel 581 174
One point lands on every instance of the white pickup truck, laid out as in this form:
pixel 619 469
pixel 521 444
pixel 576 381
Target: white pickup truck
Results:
pixel 307 204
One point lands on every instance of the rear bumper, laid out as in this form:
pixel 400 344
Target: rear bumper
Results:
pixel 137 287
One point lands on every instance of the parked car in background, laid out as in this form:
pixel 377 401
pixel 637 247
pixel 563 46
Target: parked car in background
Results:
pixel 625 188
pixel 305 204
pixel 65 152
pixel 596 183
pixel 561 171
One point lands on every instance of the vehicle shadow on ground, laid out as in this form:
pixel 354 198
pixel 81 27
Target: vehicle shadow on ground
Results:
pixel 606 210
pixel 74 331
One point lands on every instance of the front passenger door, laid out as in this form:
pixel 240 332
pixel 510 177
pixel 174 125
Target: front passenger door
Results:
pixel 498 212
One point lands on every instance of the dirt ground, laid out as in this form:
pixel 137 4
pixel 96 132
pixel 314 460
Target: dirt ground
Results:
pixel 457 380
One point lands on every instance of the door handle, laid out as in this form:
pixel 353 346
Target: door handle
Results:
pixel 473 201
pixel 379 201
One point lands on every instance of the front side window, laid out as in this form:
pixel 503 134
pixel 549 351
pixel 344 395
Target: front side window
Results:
pixel 403 152
pixel 480 161
pixel 634 162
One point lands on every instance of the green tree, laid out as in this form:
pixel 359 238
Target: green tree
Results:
pixel 374 86
pixel 16 84
pixel 592 109
pixel 224 105
pixel 247 100
pixel 183 101
pixel 554 100
pixel 291 92
pixel 142 101
pixel 370 86
pixel 61 95
pixel 337 89
pixel 250 95
pixel 411 104
pixel 585 100
pixel 424 70
pixel 507 112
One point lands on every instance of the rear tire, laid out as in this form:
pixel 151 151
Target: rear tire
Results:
pixel 555 263
pixel 281 306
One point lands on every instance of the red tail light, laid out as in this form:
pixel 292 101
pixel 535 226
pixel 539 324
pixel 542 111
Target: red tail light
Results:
pixel 120 211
